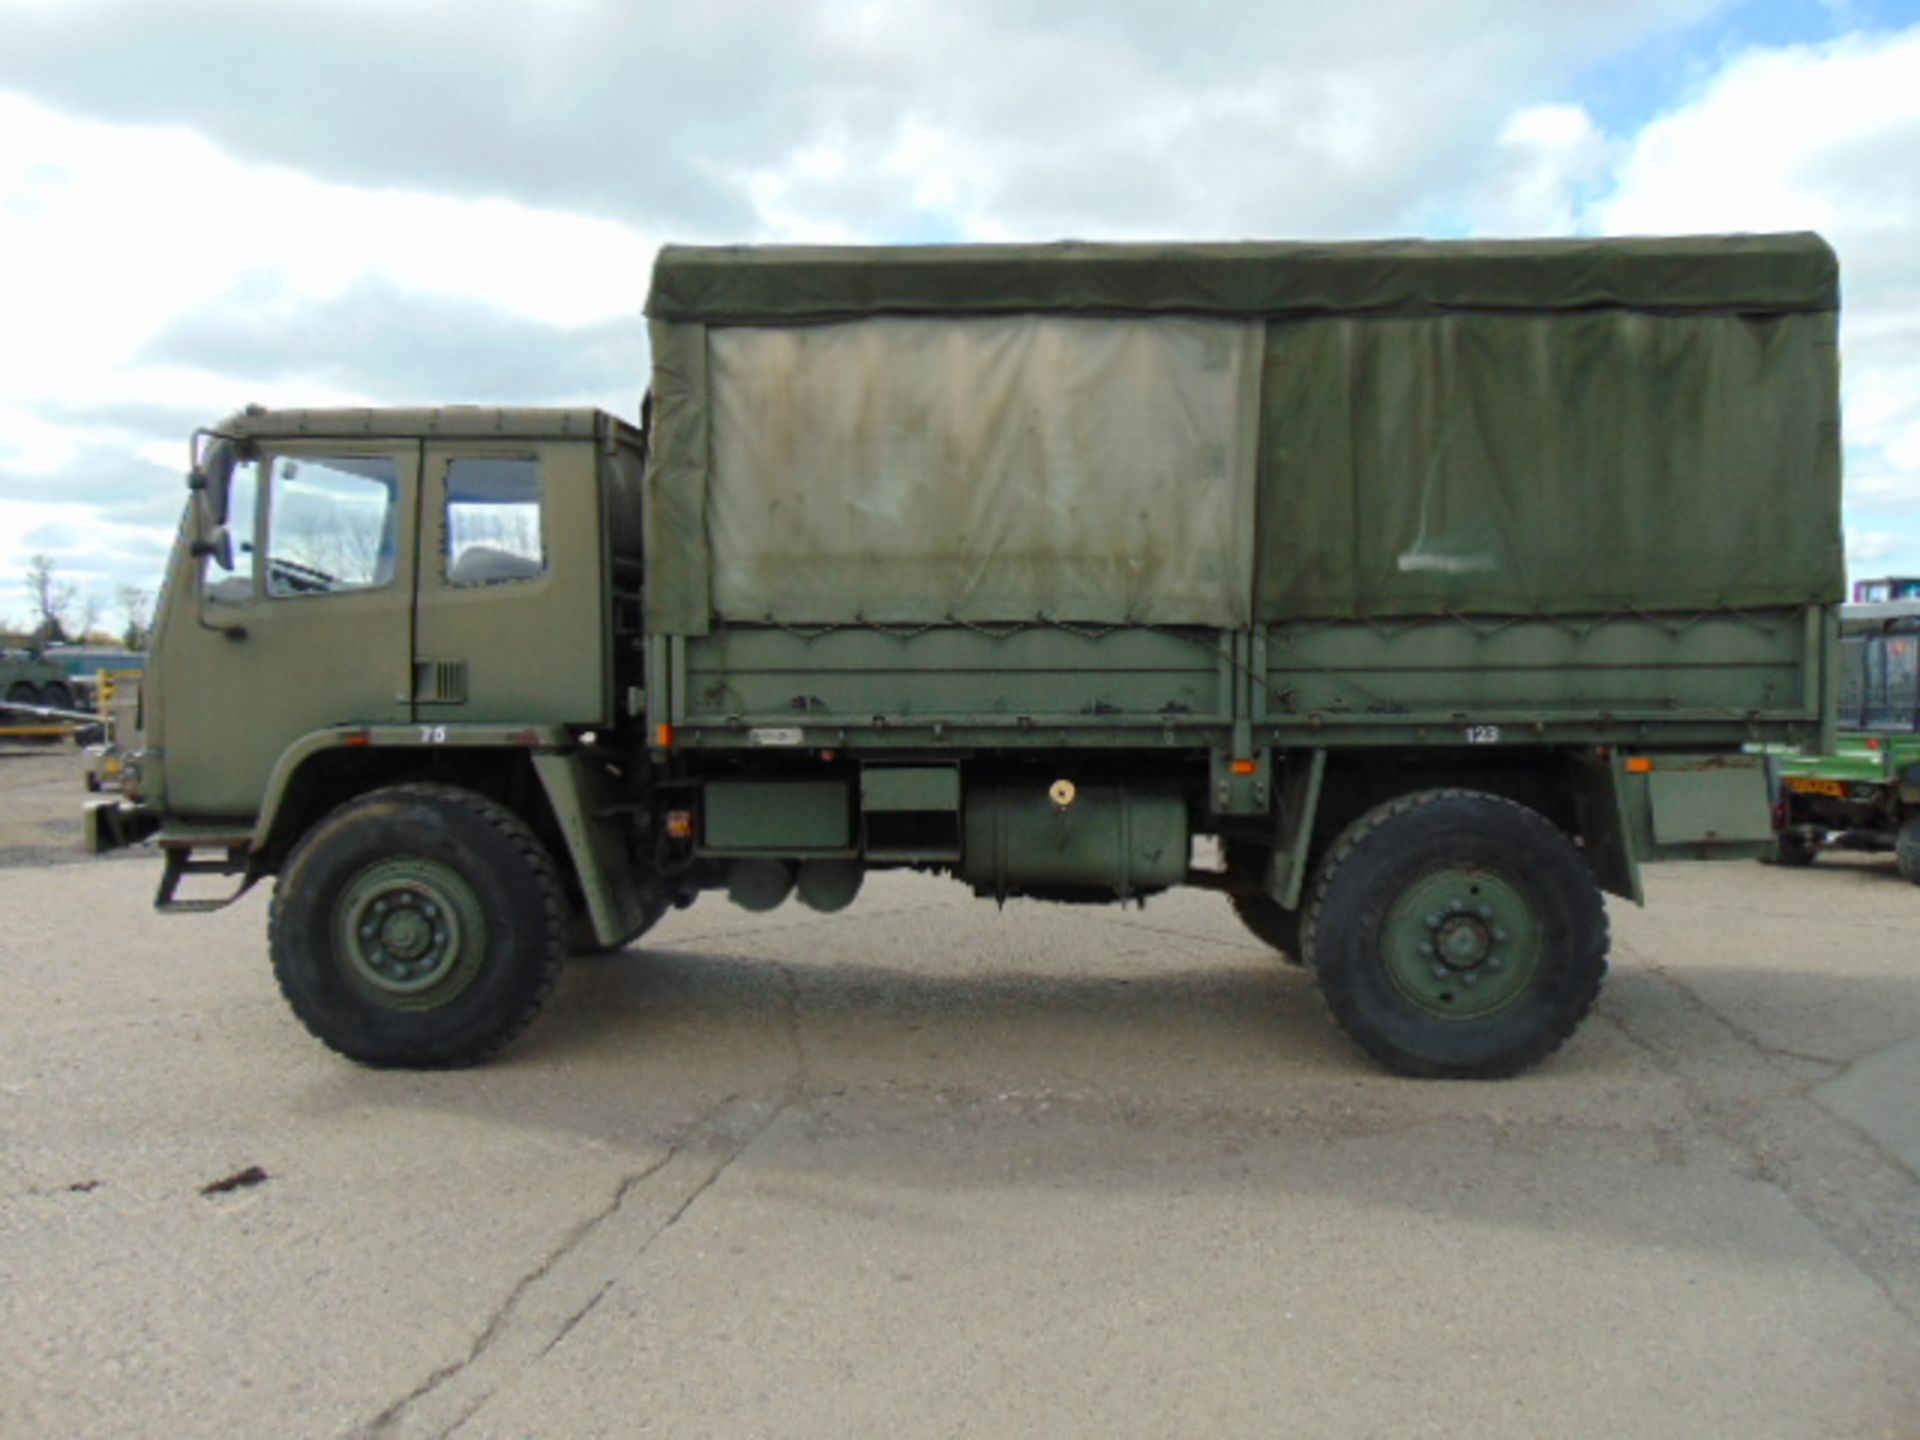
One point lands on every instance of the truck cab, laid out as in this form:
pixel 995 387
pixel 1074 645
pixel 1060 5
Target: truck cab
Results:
pixel 361 596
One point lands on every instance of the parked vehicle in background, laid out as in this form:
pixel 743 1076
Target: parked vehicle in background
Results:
pixel 33 680
pixel 83 664
pixel 1419 575
pixel 1896 587
pixel 1864 793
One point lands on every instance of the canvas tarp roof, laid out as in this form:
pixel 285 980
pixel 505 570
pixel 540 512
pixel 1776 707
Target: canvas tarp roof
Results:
pixel 735 285
pixel 1215 435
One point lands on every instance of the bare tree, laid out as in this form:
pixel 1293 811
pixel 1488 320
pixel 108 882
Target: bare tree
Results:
pixel 136 611
pixel 51 596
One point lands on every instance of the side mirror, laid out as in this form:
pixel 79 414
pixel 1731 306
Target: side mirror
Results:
pixel 217 541
pixel 211 479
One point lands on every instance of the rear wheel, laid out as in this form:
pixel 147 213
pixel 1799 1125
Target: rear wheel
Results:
pixel 1271 923
pixel 56 695
pixel 420 925
pixel 1457 934
pixel 1906 850
pixel 21 693
pixel 1795 848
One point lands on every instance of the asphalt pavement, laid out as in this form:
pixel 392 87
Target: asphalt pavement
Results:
pixel 932 1168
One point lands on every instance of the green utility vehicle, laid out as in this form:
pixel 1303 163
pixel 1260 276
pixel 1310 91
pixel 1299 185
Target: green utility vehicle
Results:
pixel 1441 584
pixel 1864 794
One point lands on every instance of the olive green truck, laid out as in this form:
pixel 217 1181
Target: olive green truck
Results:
pixel 1431 587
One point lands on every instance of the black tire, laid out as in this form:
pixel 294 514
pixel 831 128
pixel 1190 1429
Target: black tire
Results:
pixel 22 693
pixel 1906 850
pixel 1272 924
pixel 1794 849
pixel 1427 890
pixel 422 984
pixel 57 695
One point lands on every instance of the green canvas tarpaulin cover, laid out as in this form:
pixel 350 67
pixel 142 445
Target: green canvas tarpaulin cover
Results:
pixel 1224 434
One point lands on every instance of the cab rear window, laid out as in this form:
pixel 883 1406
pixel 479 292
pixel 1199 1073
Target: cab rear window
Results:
pixel 493 529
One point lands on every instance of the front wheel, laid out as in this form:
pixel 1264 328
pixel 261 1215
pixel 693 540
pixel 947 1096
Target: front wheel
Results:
pixel 1457 934
pixel 420 926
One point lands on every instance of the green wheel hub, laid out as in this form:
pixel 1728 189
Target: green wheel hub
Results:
pixel 412 933
pixel 1461 942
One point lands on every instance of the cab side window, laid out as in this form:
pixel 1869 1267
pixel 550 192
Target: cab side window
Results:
pixel 492 528
pixel 330 524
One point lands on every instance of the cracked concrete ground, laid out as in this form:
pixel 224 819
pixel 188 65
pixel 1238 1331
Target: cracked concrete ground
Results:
pixel 928 1168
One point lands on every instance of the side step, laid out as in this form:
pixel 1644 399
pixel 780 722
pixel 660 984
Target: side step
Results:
pixel 180 864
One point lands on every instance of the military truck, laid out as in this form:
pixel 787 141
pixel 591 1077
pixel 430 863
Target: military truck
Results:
pixel 1863 794
pixel 30 683
pixel 1440 585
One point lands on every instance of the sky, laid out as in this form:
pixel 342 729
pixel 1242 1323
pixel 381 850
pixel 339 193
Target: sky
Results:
pixel 207 203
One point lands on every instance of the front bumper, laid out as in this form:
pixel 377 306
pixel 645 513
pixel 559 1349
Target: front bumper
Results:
pixel 116 824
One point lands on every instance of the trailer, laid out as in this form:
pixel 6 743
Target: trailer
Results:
pixel 1440 584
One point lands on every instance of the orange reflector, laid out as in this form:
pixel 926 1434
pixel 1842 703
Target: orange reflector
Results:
pixel 663 735
pixel 1246 767
pixel 680 824
pixel 358 737
pixel 1872 744
pixel 1639 765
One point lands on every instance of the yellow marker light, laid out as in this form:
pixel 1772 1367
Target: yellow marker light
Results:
pixel 1639 765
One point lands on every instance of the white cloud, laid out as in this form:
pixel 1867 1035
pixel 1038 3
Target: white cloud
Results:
pixel 1544 160
pixel 1816 137
pixel 113 233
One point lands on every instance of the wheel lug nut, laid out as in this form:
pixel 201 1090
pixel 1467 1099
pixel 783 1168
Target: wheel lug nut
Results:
pixel 1494 962
pixel 1433 921
pixel 1498 933
pixel 1439 972
pixel 1486 912
pixel 1470 978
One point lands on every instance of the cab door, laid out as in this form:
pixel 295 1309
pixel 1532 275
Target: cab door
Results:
pixel 510 582
pixel 312 626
